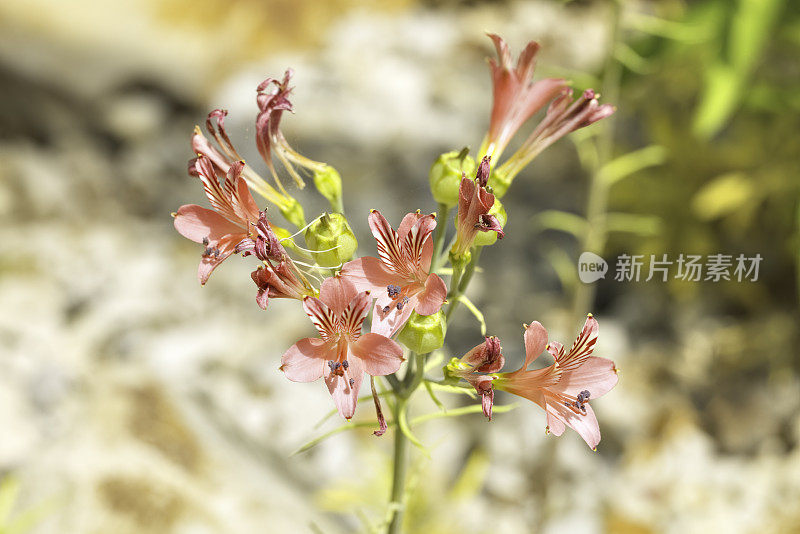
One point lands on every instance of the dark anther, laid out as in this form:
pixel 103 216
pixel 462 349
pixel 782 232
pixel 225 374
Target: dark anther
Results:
pixel 352 382
pixel 332 364
pixel 205 241
pixel 586 394
pixel 386 309
pixel 393 290
pixel 345 365
pixel 402 303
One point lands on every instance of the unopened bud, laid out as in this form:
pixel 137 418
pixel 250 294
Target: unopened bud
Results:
pixel 293 212
pixel 424 333
pixel 331 239
pixel 483 239
pixel 445 176
pixel 329 184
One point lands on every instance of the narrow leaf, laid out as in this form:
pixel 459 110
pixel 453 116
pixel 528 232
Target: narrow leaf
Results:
pixel 475 311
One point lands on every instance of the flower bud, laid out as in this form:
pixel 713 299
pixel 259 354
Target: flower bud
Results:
pixel 483 239
pixel 329 184
pixel 332 238
pixel 293 212
pixel 424 333
pixel 445 176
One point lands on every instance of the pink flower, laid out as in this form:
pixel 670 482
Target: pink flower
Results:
pixel 230 221
pixel 273 99
pixel 564 389
pixel 474 203
pixel 278 277
pixel 341 353
pixel 484 358
pixel 223 155
pixel 401 275
pixel 563 116
pixel 516 96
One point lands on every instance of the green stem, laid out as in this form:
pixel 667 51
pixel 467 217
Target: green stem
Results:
pixel 439 235
pixel 398 474
pixel 460 282
pixel 596 235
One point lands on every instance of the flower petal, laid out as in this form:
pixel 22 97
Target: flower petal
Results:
pixel 582 348
pixel 369 274
pixel 355 313
pixel 322 317
pixel 389 250
pixel 598 376
pixel 198 223
pixel 337 292
pixel 586 424
pixel 345 395
pixel 432 297
pixel 305 360
pixel 380 355
pixel 415 239
pixel 390 322
pixel 535 342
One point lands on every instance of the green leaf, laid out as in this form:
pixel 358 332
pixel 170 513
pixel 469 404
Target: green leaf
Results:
pixel 475 311
pixel 632 162
pixel 669 29
pixel 631 59
pixel 457 412
pixel 469 391
pixel 724 195
pixel 402 423
pixel 344 428
pixel 334 411
pixel 562 221
pixel 433 396
pixel 720 97
pixel 643 225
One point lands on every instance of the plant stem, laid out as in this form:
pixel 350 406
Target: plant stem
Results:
pixel 398 473
pixel 596 235
pixel 459 283
pixel 439 235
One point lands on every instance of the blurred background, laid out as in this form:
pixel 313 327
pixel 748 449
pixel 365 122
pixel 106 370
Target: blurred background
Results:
pixel 135 401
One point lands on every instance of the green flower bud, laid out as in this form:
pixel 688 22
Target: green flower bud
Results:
pixel 483 239
pixel 499 182
pixel 329 185
pixel 333 238
pixel 445 176
pixel 293 212
pixel 424 333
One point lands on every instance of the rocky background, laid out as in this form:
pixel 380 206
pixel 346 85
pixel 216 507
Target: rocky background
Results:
pixel 134 401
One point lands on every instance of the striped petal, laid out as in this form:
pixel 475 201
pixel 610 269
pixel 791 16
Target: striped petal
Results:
pixel 354 314
pixel 417 236
pixel 582 348
pixel 322 317
pixel 389 250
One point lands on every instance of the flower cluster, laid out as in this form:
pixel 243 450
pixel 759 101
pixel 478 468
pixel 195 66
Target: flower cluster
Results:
pixel 400 287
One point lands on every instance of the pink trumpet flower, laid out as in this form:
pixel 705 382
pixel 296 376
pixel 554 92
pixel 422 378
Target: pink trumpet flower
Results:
pixel 474 203
pixel 401 275
pixel 273 99
pixel 222 228
pixel 564 388
pixel 563 116
pixel 516 96
pixel 278 277
pixel 484 358
pixel 341 354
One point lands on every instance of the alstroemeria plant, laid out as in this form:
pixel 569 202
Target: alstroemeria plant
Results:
pixel 408 289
